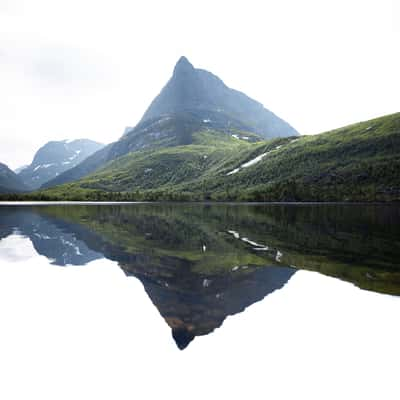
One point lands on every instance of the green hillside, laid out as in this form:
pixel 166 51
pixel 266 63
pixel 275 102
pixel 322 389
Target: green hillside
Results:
pixel 360 162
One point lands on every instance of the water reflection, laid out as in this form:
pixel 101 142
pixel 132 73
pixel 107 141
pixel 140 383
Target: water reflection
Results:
pixel 201 263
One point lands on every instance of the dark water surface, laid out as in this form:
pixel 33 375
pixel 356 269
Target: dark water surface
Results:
pixel 200 263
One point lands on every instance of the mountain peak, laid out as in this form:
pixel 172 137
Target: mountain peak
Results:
pixel 183 65
pixel 197 91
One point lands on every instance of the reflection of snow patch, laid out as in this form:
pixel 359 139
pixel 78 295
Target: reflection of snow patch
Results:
pixel 252 243
pixel 44 237
pixel 70 244
pixel 206 282
pixel 258 246
pixel 235 234
pixel 240 137
pixel 237 267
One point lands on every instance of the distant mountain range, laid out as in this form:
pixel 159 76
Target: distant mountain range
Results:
pixel 54 158
pixel 200 140
pixel 10 181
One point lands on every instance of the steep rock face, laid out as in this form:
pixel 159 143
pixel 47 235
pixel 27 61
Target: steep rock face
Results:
pixel 192 89
pixel 9 181
pixel 54 158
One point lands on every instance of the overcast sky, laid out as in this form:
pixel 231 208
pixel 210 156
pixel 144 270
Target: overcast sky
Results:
pixel 82 68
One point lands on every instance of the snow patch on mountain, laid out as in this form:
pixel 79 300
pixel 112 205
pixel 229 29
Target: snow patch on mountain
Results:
pixel 256 159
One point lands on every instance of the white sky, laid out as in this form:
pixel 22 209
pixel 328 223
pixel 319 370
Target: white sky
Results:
pixel 81 68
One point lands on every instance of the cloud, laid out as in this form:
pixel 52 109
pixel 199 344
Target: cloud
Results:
pixel 49 65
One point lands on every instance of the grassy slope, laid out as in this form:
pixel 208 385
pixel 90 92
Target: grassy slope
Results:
pixel 360 162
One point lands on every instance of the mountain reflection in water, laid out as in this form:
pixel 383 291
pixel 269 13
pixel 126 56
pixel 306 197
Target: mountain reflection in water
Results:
pixel 202 263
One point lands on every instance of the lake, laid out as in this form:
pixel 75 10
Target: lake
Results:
pixel 148 301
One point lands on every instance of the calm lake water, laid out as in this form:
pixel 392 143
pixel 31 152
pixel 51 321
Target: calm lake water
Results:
pixel 124 301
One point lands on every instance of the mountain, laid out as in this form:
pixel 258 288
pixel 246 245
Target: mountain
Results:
pixel 84 168
pixel 56 157
pixel 193 100
pixel 359 162
pixel 192 89
pixel 9 181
